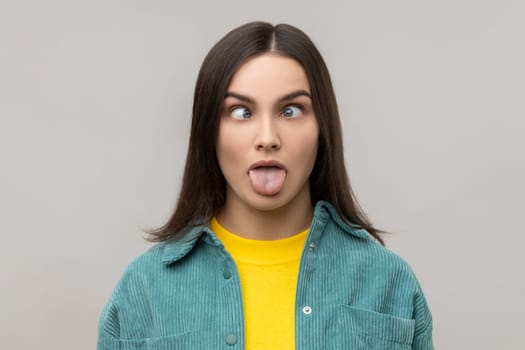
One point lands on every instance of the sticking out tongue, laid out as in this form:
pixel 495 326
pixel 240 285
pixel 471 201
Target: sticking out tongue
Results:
pixel 267 180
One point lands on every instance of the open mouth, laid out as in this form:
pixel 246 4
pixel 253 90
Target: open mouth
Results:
pixel 267 177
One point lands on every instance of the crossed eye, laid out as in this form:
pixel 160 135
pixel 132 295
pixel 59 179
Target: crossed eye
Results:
pixel 291 111
pixel 242 113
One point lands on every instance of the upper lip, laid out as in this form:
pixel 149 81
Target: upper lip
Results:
pixel 267 163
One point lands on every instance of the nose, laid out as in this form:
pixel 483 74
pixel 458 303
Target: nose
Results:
pixel 267 138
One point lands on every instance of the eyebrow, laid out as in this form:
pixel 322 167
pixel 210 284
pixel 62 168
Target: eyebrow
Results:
pixel 286 97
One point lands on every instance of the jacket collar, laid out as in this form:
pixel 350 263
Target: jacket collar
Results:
pixel 325 213
pixel 347 227
pixel 176 248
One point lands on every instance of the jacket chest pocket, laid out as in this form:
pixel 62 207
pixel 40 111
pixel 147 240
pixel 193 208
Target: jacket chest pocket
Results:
pixel 364 329
pixel 186 341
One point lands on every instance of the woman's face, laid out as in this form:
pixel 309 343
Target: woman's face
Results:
pixel 268 134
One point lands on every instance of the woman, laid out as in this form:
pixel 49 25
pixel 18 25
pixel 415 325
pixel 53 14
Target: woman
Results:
pixel 267 247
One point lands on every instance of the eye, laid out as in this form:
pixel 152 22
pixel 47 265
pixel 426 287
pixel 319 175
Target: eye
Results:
pixel 240 113
pixel 291 111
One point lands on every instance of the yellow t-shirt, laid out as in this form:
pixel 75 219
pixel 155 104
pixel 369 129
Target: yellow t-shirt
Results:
pixel 268 272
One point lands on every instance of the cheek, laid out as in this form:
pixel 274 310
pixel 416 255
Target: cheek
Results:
pixel 304 147
pixel 229 147
pixel 306 138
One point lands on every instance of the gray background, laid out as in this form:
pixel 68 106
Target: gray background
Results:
pixel 95 100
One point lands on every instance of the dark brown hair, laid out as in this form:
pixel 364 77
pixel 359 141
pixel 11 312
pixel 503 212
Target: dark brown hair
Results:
pixel 203 186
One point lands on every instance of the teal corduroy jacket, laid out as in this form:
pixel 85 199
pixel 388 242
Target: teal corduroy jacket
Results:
pixel 352 293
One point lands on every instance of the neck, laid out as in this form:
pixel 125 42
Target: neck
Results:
pixel 282 222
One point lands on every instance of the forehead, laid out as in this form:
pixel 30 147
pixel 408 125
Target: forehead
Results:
pixel 269 76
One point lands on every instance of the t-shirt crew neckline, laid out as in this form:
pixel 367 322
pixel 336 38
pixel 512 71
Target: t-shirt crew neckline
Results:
pixel 263 252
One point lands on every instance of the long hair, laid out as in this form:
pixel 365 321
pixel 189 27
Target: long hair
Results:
pixel 203 190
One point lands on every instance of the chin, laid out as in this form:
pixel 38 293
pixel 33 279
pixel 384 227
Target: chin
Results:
pixel 267 203
pixel 274 202
pixel 248 198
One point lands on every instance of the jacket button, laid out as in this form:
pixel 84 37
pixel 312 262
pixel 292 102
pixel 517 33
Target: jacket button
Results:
pixel 226 274
pixel 307 310
pixel 231 339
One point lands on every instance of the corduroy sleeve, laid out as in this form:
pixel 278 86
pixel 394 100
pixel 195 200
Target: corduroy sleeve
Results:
pixel 109 327
pixel 423 331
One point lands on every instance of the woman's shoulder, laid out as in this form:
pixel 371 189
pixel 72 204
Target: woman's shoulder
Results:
pixel 354 247
pixel 162 254
pixel 370 255
pixel 141 267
